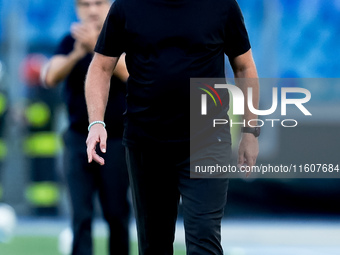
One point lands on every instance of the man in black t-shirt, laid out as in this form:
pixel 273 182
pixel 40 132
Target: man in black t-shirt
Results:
pixel 166 43
pixel 70 63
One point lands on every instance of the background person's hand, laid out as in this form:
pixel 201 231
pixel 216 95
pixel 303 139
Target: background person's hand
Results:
pixel 86 34
pixel 79 50
pixel 97 134
pixel 248 151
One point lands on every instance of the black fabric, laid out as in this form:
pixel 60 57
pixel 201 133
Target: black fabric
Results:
pixel 159 175
pixel 167 43
pixel 75 97
pixel 84 180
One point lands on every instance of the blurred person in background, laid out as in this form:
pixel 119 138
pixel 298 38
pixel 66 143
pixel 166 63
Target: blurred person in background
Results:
pixel 70 63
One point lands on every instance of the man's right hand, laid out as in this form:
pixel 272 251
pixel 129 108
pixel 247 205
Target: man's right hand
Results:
pixel 97 134
pixel 97 88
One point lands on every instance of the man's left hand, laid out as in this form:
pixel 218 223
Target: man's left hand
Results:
pixel 248 151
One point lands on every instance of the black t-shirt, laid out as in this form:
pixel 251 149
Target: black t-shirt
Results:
pixel 75 98
pixel 167 42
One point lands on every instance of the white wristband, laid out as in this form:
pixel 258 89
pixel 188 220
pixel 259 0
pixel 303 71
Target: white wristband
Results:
pixel 96 122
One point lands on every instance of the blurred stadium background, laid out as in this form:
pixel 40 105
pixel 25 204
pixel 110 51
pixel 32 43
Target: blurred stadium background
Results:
pixel 290 39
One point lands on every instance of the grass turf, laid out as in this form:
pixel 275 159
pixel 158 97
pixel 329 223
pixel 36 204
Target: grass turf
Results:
pixel 45 245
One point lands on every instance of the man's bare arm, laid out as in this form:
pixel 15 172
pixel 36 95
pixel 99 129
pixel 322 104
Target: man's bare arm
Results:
pixel 120 71
pixel 246 76
pixel 97 88
pixel 58 68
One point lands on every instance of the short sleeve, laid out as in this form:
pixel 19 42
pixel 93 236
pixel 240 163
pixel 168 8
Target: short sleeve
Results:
pixel 111 39
pixel 237 40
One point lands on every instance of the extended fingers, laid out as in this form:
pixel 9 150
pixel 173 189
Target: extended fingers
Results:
pixel 98 158
pixel 91 145
pixel 96 135
pixel 248 151
pixel 241 159
pixel 250 159
pixel 103 145
pixel 92 154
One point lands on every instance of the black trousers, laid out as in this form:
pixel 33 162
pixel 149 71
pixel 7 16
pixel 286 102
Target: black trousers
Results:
pixel 158 177
pixel 84 181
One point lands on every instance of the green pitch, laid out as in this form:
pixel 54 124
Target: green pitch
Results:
pixel 42 245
